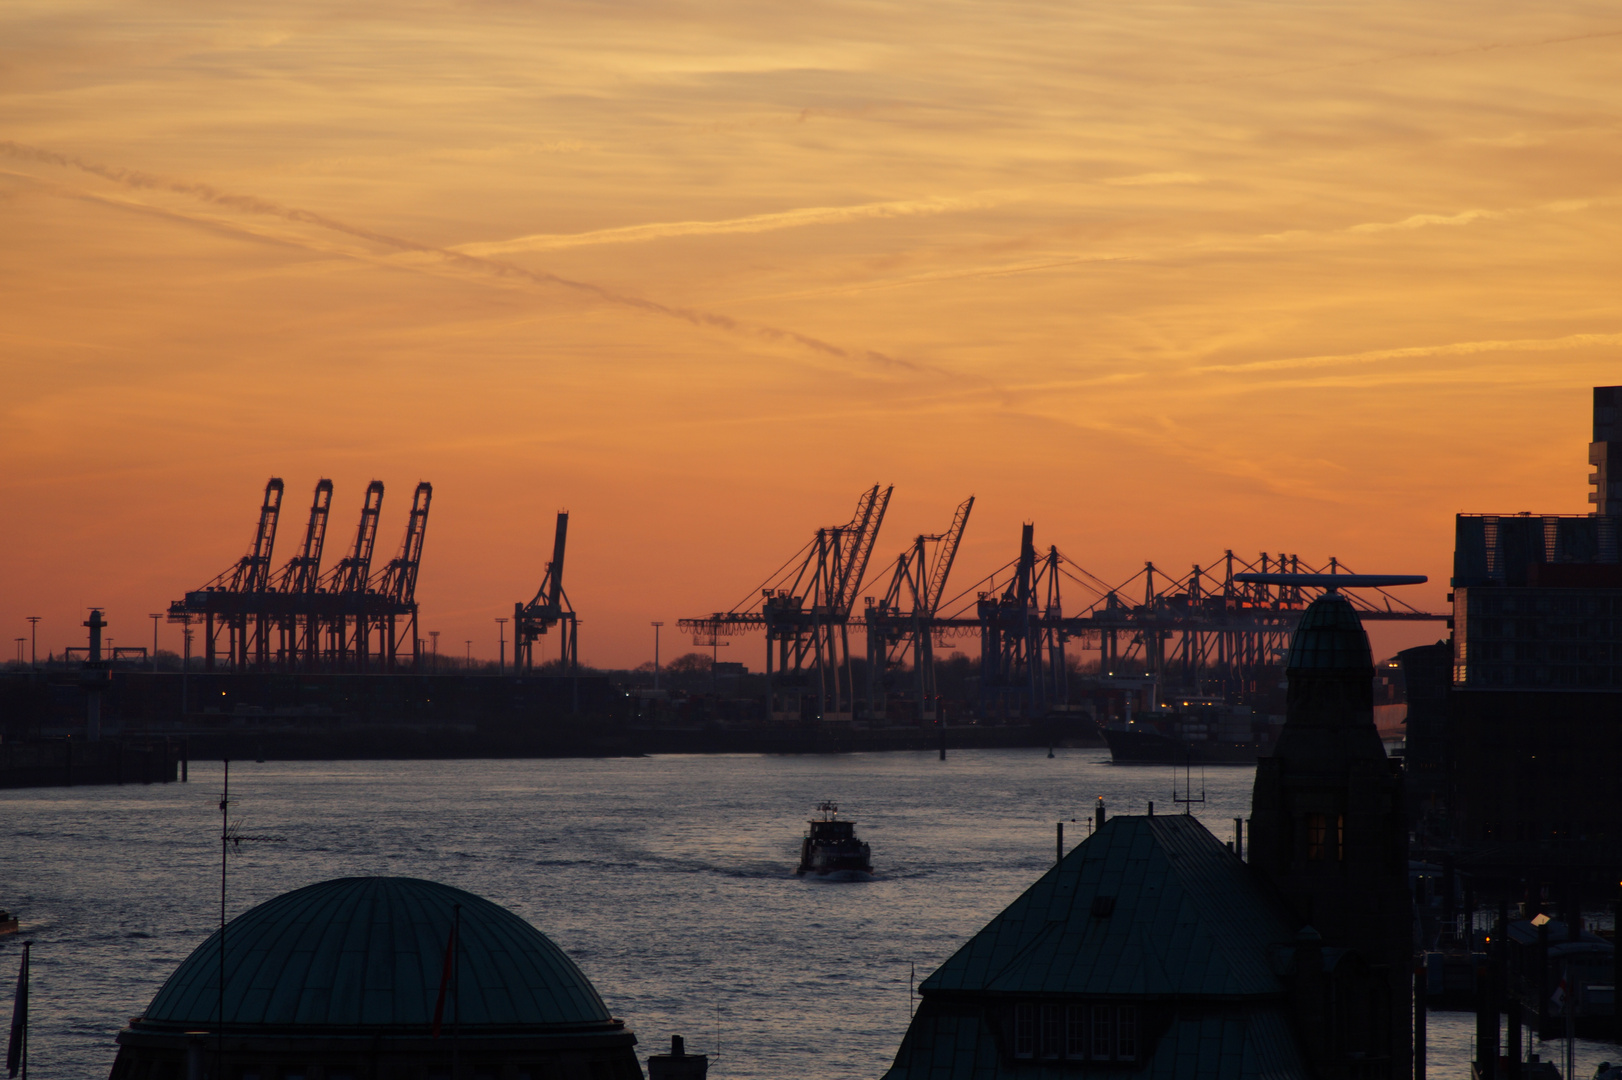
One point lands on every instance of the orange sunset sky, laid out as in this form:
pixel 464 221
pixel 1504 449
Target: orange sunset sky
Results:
pixel 1163 278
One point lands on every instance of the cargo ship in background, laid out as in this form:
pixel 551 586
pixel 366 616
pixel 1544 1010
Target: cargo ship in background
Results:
pixel 1194 730
pixel 1214 731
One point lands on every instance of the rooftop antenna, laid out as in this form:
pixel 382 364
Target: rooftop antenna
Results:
pixel 231 838
pixel 1187 798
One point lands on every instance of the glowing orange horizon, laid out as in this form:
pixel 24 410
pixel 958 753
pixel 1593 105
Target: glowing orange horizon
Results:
pixel 1166 281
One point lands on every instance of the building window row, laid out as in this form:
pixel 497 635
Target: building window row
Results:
pixel 1053 1031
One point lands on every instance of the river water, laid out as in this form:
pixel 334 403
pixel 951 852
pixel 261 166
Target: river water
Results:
pixel 668 879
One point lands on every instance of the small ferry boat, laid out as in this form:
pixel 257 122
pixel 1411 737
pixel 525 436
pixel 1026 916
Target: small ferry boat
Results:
pixel 8 923
pixel 831 849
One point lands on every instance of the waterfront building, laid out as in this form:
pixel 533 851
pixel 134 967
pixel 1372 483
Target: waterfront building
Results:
pixel 1153 949
pixel 1533 744
pixel 361 978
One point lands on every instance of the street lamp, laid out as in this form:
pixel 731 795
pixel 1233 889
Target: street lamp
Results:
pixel 656 627
pixel 469 654
pixel 435 635
pixel 20 651
pixel 501 654
pixel 155 619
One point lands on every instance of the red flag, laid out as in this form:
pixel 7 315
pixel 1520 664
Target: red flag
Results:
pixel 444 980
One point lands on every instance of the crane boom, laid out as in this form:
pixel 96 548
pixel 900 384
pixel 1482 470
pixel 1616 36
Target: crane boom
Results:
pixel 302 574
pixel 398 580
pixel 865 526
pixel 253 571
pixel 945 555
pixel 352 573
pixel 555 571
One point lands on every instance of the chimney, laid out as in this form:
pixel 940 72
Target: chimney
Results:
pixel 678 1064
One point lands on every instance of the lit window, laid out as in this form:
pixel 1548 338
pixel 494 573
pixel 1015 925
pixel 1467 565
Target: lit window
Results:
pixel 1317 825
pixel 1052 1030
pixel 1075 1032
pixel 1025 1031
pixel 1126 1033
pixel 1103 1031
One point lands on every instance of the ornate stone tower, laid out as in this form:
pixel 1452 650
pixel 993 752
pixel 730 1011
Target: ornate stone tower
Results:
pixel 1328 829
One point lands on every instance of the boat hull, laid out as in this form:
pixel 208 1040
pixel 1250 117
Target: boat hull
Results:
pixel 831 862
pixel 1153 748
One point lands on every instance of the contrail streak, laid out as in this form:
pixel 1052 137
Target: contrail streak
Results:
pixel 755 223
pixel 255 205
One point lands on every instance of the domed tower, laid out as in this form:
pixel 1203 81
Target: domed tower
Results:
pixel 1328 829
pixel 359 978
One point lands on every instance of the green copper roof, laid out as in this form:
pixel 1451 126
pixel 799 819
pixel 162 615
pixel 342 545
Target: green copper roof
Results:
pixel 1152 906
pixel 368 953
pixel 1330 635
pixel 1238 1042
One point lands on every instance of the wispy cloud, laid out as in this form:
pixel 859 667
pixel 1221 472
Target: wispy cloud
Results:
pixel 1419 221
pixel 755 223
pixel 1457 348
pixel 255 205
pixel 1155 179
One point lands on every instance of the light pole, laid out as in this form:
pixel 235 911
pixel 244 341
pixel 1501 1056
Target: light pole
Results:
pixel 185 662
pixel 470 654
pixel 155 619
pixel 656 627
pixel 501 654
pixel 33 649
pixel 20 651
pixel 435 635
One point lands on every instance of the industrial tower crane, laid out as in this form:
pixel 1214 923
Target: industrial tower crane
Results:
pixel 323 621
pixel 348 625
pixel 894 630
pixel 394 590
pixel 805 611
pixel 549 608
pixel 236 597
pixel 301 577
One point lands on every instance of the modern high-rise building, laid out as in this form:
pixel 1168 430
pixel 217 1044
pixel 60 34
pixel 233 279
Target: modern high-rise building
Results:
pixel 1535 703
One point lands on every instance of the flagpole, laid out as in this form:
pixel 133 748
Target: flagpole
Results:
pixel 17 1044
pixel 456 992
pixel 225 847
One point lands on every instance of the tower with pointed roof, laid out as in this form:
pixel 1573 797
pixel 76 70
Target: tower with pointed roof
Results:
pixel 1329 831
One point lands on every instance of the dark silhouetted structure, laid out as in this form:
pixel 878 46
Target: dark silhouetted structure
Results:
pixel 1534 741
pixel 364 977
pixel 549 608
pixel 298 619
pixel 1153 950
pixel 1328 830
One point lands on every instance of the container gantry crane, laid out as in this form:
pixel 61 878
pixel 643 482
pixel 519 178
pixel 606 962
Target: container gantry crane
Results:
pixel 393 593
pixel 299 583
pixel 236 600
pixel 549 608
pixel 894 634
pixel 805 610
pixel 344 589
pixel 321 621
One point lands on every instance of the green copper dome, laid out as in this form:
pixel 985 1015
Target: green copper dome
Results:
pixel 1329 636
pixel 368 954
